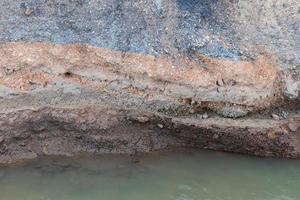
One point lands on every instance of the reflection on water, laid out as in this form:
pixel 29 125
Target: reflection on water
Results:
pixel 200 175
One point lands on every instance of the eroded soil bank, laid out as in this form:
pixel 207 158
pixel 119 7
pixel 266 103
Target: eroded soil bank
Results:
pixel 70 99
pixel 102 76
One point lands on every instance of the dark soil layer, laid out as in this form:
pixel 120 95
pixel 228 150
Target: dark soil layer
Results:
pixel 28 133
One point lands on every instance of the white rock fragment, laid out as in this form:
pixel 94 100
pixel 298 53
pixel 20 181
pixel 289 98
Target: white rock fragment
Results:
pixel 160 125
pixel 276 117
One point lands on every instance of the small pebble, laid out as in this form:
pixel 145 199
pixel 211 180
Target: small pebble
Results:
pixel 142 119
pixel 276 117
pixel 215 136
pixel 160 125
pixel 293 126
pixel 204 116
pixel 28 11
pixel 192 111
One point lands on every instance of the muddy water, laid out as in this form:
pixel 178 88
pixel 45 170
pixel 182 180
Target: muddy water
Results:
pixel 176 175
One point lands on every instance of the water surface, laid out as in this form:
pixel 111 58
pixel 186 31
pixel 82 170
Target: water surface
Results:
pixel 202 175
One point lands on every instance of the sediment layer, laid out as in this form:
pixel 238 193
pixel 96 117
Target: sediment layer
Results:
pixel 72 99
pixel 232 88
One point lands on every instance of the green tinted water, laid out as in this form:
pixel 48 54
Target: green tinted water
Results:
pixel 201 175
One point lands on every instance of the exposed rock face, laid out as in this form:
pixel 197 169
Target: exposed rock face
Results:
pixel 133 76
